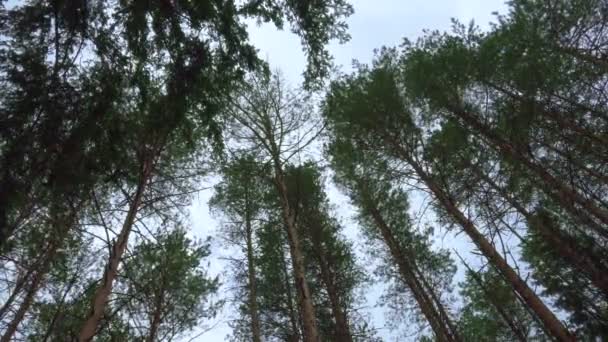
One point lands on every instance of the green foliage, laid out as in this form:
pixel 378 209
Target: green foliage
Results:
pixel 166 277
pixel 479 319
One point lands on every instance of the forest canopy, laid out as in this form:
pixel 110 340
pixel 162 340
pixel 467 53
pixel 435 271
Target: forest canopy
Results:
pixel 115 116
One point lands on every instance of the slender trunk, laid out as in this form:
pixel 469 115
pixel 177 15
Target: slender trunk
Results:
pixel 21 281
pixel 342 329
pixel 58 312
pixel 156 317
pixel 98 304
pixel 293 319
pixel 309 324
pixel 43 264
pixel 557 190
pixel 578 257
pixel 438 304
pixel 550 321
pixel 251 273
pixel 442 332
pixel 490 297
pixel 35 283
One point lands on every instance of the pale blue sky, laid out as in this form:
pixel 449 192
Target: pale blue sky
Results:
pixel 375 23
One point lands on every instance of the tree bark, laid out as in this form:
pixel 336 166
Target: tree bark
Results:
pixel 309 324
pixel 98 304
pixel 550 321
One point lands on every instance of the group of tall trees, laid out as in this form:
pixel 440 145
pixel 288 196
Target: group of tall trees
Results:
pixel 113 112
pixel 506 131
pixel 109 117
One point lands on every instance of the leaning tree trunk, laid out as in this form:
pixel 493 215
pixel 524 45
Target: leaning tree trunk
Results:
pixel 441 330
pixel 550 321
pixel 490 297
pixel 309 324
pixel 557 190
pixel 42 266
pixel 343 333
pixel 576 256
pixel 30 294
pixel 436 299
pixel 98 304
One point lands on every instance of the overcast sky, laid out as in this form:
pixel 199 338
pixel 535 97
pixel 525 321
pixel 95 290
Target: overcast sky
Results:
pixel 374 24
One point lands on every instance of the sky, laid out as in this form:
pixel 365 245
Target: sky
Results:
pixel 374 24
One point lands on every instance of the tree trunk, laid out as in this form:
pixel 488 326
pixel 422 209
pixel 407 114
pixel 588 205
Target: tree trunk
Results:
pixel 560 192
pixel 251 273
pixel 309 324
pixel 32 289
pixel 19 283
pixel 501 311
pixel 342 329
pixel 442 332
pixel 41 267
pixel 550 321
pixel 98 304
pixel 293 319
pixel 438 304
pixel 577 257
pixel 156 318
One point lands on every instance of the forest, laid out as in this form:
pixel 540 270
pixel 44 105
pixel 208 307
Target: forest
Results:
pixel 116 115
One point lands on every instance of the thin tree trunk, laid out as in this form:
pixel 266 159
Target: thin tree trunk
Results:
pixel 251 272
pixel 57 314
pixel 21 281
pixel 42 265
pixel 490 297
pixel 293 319
pixel 309 324
pixel 442 332
pixel 577 257
pixel 98 304
pixel 560 192
pixel 550 321
pixel 30 294
pixel 156 318
pixel 342 329
pixel 438 304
